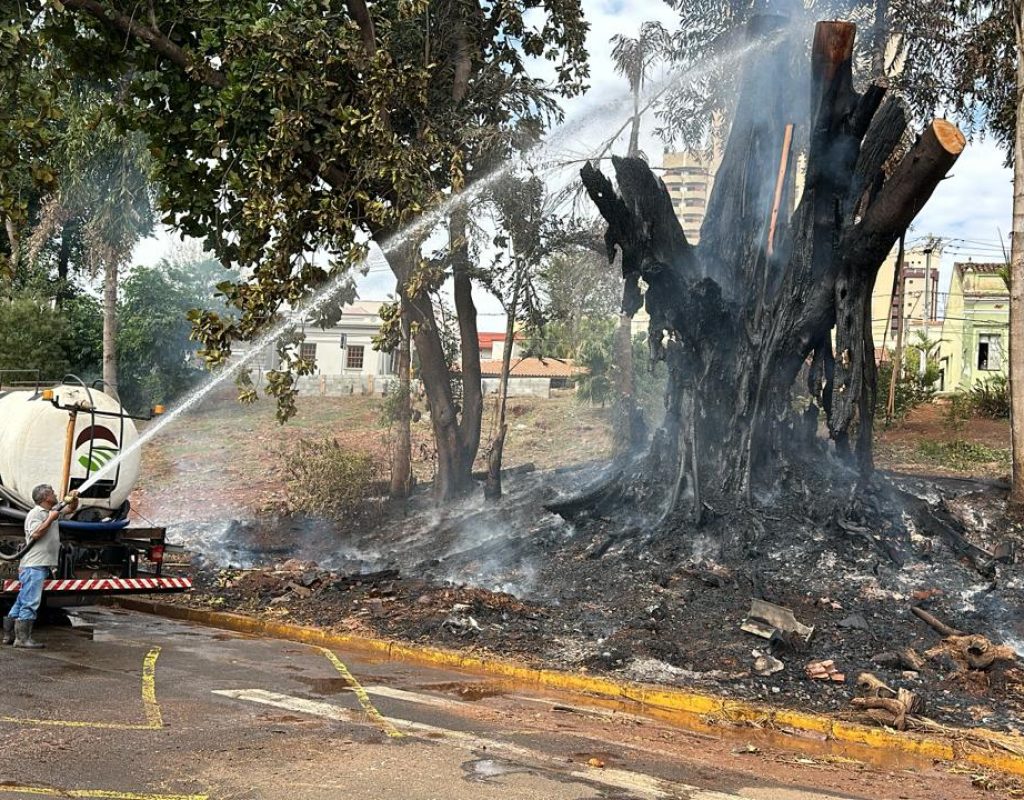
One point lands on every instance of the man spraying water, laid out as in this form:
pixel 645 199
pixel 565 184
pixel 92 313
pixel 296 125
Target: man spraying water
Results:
pixel 42 548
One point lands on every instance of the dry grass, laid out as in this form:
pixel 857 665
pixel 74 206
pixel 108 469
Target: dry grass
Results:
pixel 225 460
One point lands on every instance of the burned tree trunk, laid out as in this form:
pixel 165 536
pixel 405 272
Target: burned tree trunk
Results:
pixel 740 316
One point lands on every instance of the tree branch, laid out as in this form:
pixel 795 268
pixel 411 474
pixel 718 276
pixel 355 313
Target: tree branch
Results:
pixel 152 38
pixel 361 14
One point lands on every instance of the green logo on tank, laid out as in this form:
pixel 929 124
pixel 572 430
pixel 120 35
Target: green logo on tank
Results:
pixel 100 454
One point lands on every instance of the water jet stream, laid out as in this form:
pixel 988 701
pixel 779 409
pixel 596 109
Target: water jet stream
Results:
pixel 421 225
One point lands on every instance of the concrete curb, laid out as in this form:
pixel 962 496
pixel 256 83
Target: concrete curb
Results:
pixel 815 733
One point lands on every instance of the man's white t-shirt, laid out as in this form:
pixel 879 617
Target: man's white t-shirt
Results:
pixel 45 552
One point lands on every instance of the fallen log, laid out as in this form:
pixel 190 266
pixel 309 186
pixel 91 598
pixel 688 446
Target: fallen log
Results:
pixel 898 708
pixel 934 622
pixel 972 651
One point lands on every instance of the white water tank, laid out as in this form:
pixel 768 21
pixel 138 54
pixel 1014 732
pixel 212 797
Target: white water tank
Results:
pixel 33 432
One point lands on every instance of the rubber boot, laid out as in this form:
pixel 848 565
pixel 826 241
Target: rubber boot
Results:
pixel 23 635
pixel 8 630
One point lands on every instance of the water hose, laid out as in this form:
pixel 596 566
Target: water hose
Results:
pixel 17 556
pixel 21 553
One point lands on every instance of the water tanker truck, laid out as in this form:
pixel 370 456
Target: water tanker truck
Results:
pixel 64 434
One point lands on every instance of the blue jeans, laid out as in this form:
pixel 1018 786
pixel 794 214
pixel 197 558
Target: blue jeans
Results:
pixel 31 593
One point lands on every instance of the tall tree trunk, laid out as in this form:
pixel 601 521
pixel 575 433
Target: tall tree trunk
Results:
pixel 401 462
pixel 492 487
pixel 880 35
pixel 63 262
pixel 634 130
pixel 469 338
pixel 110 327
pixel 454 466
pixel 1017 282
pixel 735 322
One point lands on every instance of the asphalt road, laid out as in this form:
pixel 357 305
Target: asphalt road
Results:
pixel 124 706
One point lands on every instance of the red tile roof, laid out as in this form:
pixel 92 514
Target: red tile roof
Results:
pixel 532 368
pixel 487 339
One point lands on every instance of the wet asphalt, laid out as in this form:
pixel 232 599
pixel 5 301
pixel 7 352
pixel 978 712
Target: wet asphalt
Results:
pixel 126 706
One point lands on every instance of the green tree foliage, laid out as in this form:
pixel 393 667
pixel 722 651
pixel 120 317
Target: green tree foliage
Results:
pixel 32 337
pixel 595 385
pixel 158 358
pixel 990 398
pixel 633 59
pixel 83 321
pixel 914 386
pixel 278 129
pixel 29 119
pixel 579 291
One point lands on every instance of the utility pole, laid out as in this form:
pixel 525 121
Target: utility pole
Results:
pixel 932 244
pixel 897 363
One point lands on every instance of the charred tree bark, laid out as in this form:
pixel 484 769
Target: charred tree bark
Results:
pixel 738 317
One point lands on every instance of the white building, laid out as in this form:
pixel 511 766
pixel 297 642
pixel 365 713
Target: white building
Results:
pixel 346 362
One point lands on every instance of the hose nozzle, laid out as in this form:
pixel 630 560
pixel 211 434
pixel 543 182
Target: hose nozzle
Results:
pixel 70 498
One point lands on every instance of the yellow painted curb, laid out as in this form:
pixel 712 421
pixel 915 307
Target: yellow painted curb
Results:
pixel 817 733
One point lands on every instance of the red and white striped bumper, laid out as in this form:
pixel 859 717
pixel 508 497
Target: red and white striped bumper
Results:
pixel 106 585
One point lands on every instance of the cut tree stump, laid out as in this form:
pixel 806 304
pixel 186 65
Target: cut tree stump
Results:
pixel 746 319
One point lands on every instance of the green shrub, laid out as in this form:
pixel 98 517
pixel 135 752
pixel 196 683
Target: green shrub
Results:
pixel 912 388
pixel 962 455
pixel 328 480
pixel 991 398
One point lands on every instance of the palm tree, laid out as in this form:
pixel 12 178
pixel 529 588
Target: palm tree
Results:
pixel 633 58
pixel 105 188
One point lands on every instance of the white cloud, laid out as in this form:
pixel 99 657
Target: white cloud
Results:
pixel 970 209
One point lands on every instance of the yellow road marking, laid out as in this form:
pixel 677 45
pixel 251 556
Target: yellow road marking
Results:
pixel 362 696
pixel 96 793
pixel 154 719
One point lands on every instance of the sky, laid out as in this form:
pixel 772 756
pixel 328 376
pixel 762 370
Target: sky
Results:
pixel 970 209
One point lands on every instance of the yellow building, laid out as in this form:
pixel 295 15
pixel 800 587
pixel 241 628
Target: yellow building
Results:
pixel 689 179
pixel 975 332
pixel 920 304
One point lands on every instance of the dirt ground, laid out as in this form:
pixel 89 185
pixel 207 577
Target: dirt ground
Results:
pixel 231 460
pixel 923 442
pixel 605 595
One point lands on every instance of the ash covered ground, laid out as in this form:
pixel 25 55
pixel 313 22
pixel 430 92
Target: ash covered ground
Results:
pixel 615 595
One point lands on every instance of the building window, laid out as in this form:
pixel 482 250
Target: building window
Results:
pixel 307 351
pixel 354 358
pixel 989 352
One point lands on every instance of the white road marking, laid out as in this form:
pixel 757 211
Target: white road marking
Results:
pixel 414 697
pixel 643 785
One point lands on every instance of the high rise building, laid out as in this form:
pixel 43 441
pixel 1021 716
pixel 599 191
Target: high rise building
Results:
pixel 689 179
pixel 920 295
